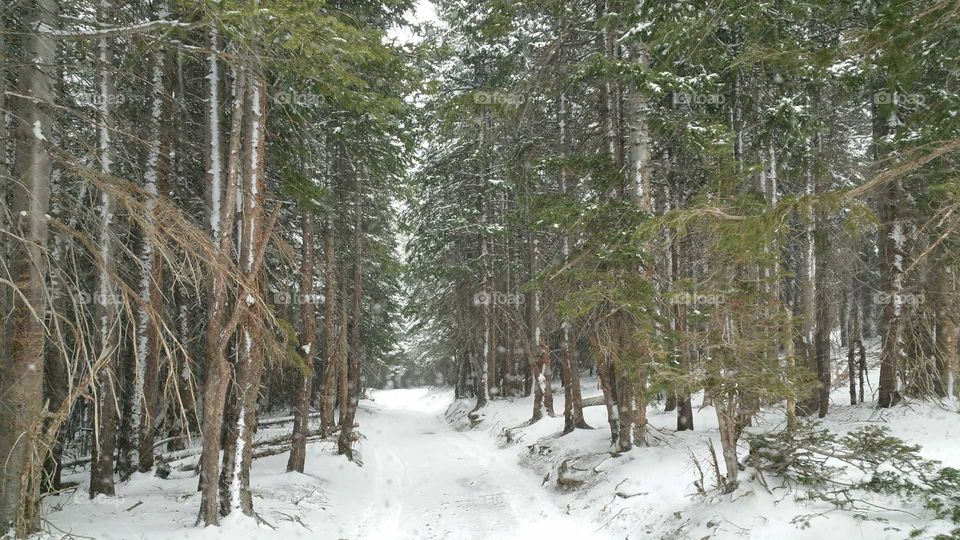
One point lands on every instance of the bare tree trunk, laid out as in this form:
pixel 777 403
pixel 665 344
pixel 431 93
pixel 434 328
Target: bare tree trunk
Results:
pixel 148 330
pixel 573 401
pixel 946 327
pixel 853 338
pixel 221 198
pixel 250 359
pixel 537 352
pixel 328 392
pixel 892 259
pixel 824 319
pixel 345 441
pixel 601 350
pixel 808 302
pixel 21 374
pixel 105 310
pixel 308 340
pixel 685 406
pixel 727 418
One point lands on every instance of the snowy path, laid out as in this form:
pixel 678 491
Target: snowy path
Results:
pixel 420 480
pixel 430 481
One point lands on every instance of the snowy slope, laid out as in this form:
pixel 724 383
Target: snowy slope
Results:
pixel 650 493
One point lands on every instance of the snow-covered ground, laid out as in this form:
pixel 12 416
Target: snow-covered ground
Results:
pixel 649 492
pixel 421 478
pixel 427 475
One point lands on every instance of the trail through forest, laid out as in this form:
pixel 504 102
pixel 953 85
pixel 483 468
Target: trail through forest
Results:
pixel 431 481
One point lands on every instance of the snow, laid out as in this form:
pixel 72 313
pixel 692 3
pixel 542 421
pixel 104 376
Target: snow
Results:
pixel 426 473
pixel 213 113
pixel 38 131
pixel 421 478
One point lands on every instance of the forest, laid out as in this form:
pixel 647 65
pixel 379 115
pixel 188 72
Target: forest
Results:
pixel 386 268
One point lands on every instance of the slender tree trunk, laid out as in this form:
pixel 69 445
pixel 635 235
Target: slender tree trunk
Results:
pixel 21 374
pixel 537 348
pixel 308 340
pixel 892 258
pixel 946 329
pixel 221 199
pixel 250 358
pixel 328 397
pixel 573 401
pixel 824 320
pixel 345 441
pixel 601 348
pixel 151 272
pixel 685 406
pixel 853 338
pixel 808 302
pixel 105 310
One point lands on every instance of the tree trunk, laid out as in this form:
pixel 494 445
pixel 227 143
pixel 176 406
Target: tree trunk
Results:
pixel 151 272
pixel 892 258
pixel 727 418
pixel 601 349
pixel 21 383
pixel 105 309
pixel 308 340
pixel 573 401
pixel 824 323
pixel 537 353
pixel 808 302
pixel 345 441
pixel 328 392
pixel 250 357
pixel 685 406
pixel 946 329
pixel 221 199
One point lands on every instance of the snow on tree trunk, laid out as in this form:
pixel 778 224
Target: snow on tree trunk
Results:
pixel 250 358
pixel 892 258
pixel 217 370
pixel 146 383
pixel 105 308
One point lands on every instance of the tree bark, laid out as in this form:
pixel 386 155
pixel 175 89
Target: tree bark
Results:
pixel 345 441
pixel 105 310
pixel 328 396
pixel 893 255
pixel 221 199
pixel 151 271
pixel 946 329
pixel 235 474
pixel 21 383
pixel 308 339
